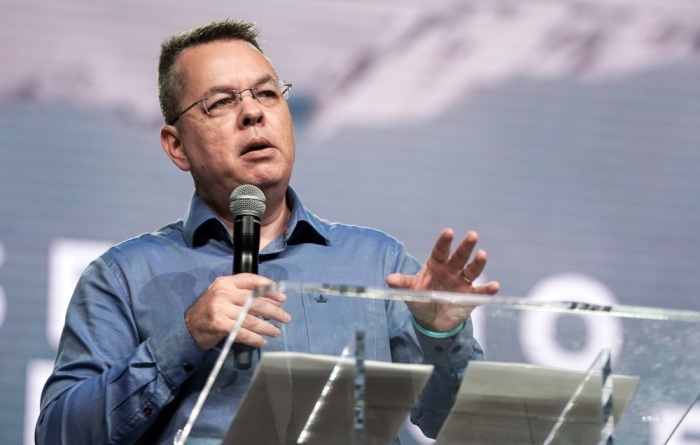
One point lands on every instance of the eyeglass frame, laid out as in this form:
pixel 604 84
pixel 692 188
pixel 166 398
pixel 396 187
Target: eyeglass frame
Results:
pixel 284 92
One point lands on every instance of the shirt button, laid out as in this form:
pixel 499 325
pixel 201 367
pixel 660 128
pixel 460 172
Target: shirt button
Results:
pixel 456 349
pixel 187 366
pixel 438 349
pixel 147 410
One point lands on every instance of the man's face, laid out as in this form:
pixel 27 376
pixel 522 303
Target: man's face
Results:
pixel 250 144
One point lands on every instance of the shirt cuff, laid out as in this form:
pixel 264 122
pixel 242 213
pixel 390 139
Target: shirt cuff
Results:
pixel 175 352
pixel 450 353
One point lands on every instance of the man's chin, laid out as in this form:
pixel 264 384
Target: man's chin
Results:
pixel 268 183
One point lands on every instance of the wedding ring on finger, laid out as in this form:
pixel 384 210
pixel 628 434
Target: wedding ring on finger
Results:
pixel 466 280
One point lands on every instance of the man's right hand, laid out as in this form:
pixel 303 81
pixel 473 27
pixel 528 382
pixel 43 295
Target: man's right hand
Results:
pixel 216 311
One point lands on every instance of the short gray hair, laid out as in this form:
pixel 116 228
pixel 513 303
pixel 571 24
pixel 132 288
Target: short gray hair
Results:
pixel 170 80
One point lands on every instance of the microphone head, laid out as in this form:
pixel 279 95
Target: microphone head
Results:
pixel 247 200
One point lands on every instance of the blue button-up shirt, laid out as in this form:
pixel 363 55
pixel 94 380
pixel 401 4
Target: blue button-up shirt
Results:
pixel 127 370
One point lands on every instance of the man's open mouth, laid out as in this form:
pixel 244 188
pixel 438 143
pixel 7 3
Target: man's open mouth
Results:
pixel 257 144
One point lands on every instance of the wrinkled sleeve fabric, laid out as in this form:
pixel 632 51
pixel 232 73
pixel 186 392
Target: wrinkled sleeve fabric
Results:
pixel 449 356
pixel 109 384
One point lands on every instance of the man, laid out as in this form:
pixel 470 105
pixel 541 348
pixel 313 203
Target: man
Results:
pixel 147 318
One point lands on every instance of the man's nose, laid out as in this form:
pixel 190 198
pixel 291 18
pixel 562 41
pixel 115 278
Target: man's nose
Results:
pixel 251 111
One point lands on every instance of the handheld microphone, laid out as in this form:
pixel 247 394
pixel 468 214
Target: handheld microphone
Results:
pixel 247 204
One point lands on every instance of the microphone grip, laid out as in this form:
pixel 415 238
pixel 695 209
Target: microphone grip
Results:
pixel 246 243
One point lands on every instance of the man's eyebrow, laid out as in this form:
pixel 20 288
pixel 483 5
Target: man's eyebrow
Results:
pixel 222 88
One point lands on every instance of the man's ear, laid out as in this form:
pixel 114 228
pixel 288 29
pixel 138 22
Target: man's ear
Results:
pixel 170 140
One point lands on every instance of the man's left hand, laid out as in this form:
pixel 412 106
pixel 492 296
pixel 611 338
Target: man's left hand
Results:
pixel 448 273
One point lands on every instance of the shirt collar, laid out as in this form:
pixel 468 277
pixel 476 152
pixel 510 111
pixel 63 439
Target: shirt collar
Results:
pixel 201 224
pixel 304 226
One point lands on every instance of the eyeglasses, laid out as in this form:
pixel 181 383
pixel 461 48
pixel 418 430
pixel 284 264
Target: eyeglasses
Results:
pixel 223 102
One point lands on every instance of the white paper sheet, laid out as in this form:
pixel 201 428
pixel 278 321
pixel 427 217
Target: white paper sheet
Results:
pixel 513 403
pixel 287 386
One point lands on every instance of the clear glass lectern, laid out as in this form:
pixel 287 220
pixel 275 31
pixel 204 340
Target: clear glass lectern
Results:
pixel 555 373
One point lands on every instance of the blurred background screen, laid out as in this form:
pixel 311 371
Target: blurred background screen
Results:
pixel 565 132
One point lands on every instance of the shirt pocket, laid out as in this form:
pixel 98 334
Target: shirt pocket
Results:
pixel 332 322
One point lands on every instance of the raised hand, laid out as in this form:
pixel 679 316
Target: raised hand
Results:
pixel 448 272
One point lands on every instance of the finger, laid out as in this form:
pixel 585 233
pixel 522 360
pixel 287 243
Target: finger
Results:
pixel 249 281
pixel 238 288
pixel 273 295
pixel 474 269
pixel 254 330
pixel 269 310
pixel 490 288
pixel 441 249
pixel 277 302
pixel 400 281
pixel 463 251
pixel 260 326
pixel 260 307
pixel 251 338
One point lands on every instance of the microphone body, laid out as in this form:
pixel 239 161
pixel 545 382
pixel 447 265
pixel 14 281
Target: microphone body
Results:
pixel 246 243
pixel 247 204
